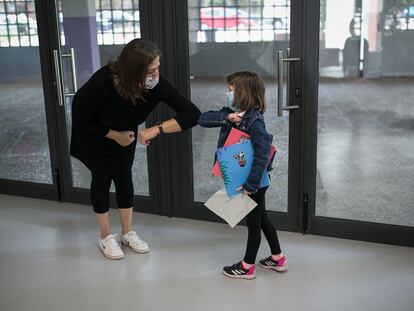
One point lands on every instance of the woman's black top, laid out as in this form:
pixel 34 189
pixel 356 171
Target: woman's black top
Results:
pixel 97 107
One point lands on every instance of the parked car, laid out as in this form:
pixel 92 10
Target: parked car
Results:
pixel 224 18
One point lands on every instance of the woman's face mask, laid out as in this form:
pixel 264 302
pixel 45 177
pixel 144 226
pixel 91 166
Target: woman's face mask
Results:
pixel 153 77
pixel 151 82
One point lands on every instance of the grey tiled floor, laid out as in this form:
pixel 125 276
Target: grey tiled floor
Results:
pixel 365 146
pixel 49 260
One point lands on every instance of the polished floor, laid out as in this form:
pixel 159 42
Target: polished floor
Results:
pixel 49 260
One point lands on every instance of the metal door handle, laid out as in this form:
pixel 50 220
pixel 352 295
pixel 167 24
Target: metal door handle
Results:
pixel 73 66
pixel 281 60
pixel 58 77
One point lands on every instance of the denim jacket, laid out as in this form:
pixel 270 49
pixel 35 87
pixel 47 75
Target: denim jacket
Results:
pixel 253 124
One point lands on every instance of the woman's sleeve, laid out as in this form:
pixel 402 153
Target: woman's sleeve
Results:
pixel 187 113
pixel 85 108
pixel 214 118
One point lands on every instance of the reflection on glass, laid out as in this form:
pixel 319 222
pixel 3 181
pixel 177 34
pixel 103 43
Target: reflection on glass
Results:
pixel 117 21
pixel 366 133
pixel 221 21
pixel 18 26
pixel 97 31
pixel 23 131
pixel 225 38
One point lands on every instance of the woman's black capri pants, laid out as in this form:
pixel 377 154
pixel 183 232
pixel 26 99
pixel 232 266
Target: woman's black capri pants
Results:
pixel 100 185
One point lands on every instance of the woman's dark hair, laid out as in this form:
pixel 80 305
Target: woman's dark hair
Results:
pixel 249 90
pixel 129 70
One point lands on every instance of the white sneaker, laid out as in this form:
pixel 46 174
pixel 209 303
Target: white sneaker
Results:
pixel 110 248
pixel 132 240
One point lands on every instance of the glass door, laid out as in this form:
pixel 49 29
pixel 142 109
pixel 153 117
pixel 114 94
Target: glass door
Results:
pixel 90 33
pixel 365 133
pixel 229 36
pixel 27 161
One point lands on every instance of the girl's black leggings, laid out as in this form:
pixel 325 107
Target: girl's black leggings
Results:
pixel 100 185
pixel 258 221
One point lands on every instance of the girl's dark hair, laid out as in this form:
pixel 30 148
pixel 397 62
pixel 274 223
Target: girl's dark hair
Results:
pixel 249 90
pixel 129 70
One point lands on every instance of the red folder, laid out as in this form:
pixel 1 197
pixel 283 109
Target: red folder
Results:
pixel 236 136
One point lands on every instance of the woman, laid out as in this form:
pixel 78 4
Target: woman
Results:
pixel 106 112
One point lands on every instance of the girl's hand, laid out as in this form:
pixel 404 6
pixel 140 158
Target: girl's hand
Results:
pixel 244 191
pixel 123 138
pixel 145 135
pixel 233 117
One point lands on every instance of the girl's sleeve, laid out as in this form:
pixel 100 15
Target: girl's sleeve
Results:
pixel 187 113
pixel 261 141
pixel 85 108
pixel 214 118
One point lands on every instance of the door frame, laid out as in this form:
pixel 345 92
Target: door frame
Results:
pixel 171 34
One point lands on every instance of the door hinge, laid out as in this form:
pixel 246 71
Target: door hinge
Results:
pixel 56 175
pixel 305 214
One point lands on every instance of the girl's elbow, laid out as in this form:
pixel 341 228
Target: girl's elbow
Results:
pixel 203 121
pixel 202 124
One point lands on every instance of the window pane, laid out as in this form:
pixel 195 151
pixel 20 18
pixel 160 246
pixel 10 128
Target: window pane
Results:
pixel 20 7
pixel 365 159
pixel 118 22
pixel 23 132
pixel 11 8
pixel 262 16
pixel 128 4
pixel 4 41
pixel 19 24
pixel 30 6
pixel 13 29
pixel 117 4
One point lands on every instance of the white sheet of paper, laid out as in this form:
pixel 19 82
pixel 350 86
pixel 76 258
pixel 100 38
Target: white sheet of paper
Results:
pixel 231 210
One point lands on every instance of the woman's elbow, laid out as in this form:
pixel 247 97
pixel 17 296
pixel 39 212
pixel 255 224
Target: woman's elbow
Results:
pixel 196 116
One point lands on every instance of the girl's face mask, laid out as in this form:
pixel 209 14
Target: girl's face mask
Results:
pixel 230 101
pixel 151 82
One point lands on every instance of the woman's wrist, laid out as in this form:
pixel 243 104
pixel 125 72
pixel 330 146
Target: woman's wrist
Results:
pixel 160 129
pixel 111 134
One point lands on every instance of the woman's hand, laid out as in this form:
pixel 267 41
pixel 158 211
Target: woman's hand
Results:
pixel 233 117
pixel 123 138
pixel 145 135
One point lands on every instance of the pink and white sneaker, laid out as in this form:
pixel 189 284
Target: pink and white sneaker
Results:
pixel 277 265
pixel 237 271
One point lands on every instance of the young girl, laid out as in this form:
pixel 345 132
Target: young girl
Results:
pixel 244 111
